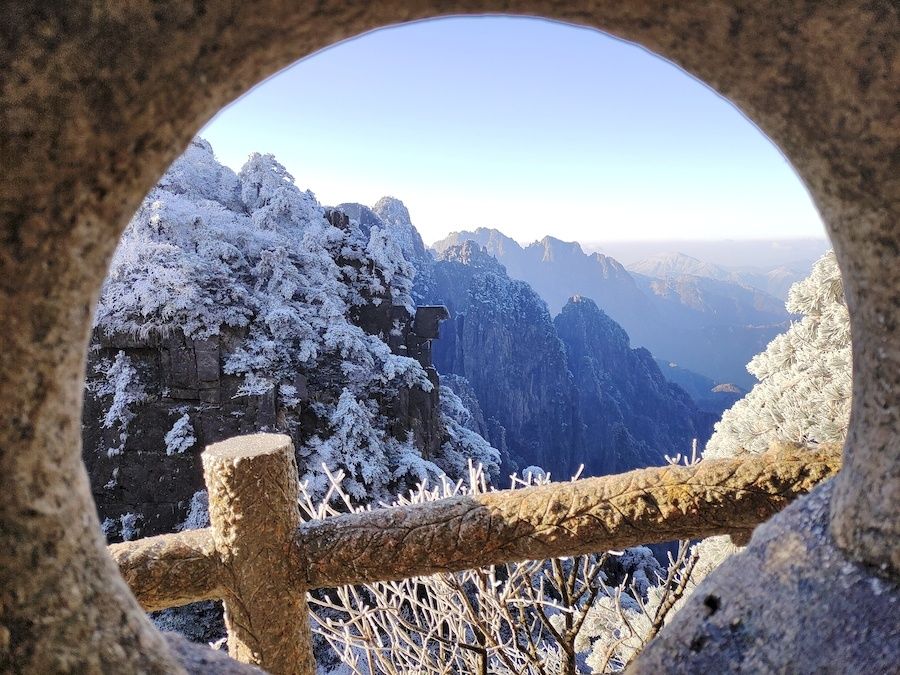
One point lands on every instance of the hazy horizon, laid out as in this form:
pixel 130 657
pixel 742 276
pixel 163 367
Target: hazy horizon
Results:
pixel 593 244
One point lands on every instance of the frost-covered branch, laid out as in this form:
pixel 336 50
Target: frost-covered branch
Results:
pixel 804 391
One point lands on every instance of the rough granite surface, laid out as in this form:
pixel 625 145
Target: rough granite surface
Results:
pixel 197 659
pixel 791 602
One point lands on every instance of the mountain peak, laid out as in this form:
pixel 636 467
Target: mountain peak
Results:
pixel 362 214
pixel 392 211
pixel 669 265
pixel 586 307
pixel 583 301
pixel 395 216
pixel 553 248
pixel 471 253
pixel 496 243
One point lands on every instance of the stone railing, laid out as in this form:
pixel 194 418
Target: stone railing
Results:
pixel 260 559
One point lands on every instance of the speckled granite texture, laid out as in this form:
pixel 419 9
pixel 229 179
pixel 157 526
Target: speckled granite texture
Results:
pixel 791 602
pixel 96 99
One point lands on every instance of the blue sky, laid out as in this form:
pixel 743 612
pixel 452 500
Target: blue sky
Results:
pixel 525 125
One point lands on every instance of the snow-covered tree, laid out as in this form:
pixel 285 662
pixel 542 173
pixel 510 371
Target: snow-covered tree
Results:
pixel 122 385
pixel 463 446
pixel 356 445
pixel 804 390
pixel 180 437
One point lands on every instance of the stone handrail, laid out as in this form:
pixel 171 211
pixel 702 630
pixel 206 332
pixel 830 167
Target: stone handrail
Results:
pixel 260 559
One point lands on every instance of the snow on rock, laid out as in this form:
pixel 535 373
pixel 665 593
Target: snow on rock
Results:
pixel 181 436
pixel 119 381
pixel 464 445
pixel 396 216
pixel 198 512
pixel 253 273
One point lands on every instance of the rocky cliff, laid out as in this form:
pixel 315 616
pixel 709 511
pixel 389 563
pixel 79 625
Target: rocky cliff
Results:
pixel 557 270
pixel 501 339
pixel 144 485
pixel 697 315
pixel 631 412
pixel 390 215
pixel 567 392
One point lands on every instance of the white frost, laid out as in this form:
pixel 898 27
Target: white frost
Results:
pixel 181 436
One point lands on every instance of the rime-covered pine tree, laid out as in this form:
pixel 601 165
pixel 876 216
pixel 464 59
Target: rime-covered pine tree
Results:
pixel 804 389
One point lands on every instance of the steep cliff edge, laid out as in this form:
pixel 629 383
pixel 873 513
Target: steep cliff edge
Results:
pixel 693 314
pixel 632 414
pixel 501 339
pixel 567 392
pixel 557 270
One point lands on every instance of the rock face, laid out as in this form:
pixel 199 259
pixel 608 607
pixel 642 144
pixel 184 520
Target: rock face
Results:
pixel 396 216
pixel 853 619
pixel 631 413
pixel 501 339
pixel 557 270
pixel 489 428
pixel 180 376
pixel 391 215
pixel 566 392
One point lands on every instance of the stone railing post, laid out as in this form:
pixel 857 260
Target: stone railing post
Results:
pixel 253 491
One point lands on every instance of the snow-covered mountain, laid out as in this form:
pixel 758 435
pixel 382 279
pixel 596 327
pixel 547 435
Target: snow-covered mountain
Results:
pixel 755 256
pixel 557 270
pixel 236 303
pixel 773 280
pixel 670 265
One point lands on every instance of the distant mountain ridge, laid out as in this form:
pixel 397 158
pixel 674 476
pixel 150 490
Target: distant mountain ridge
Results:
pixel 569 391
pixel 675 264
pixel 629 409
pixel 774 281
pixel 501 339
pixel 753 256
pixel 682 309
pixel 709 396
pixel 559 270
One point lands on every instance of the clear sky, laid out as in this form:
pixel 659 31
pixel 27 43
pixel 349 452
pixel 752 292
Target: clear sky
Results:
pixel 525 125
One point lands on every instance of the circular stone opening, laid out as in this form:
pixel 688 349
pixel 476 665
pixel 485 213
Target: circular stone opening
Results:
pixel 104 99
